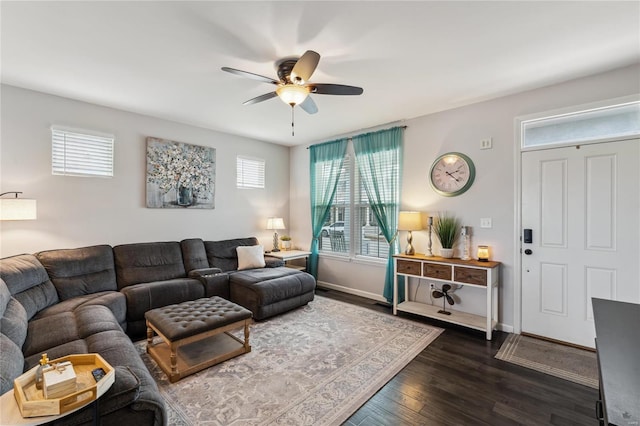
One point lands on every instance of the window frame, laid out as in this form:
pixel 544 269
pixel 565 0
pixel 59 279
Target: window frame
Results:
pixel 351 219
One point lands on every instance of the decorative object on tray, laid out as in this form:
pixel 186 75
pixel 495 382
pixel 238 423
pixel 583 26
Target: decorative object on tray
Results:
pixel 286 242
pixel 59 379
pixel 62 396
pixel 180 175
pixel 444 294
pixel 44 363
pixel 446 229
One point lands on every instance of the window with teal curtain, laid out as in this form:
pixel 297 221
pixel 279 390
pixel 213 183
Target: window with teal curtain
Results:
pixel 326 164
pixel 379 162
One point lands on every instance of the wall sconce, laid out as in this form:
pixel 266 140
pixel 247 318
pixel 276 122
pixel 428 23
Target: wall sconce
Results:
pixel 483 253
pixel 17 208
pixel 275 223
pixel 410 221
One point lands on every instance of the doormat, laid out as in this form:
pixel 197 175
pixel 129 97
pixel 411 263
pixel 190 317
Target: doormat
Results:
pixel 315 365
pixel 566 362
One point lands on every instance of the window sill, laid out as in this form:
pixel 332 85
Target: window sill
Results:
pixel 362 260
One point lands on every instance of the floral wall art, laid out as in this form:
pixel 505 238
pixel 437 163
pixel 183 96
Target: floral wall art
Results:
pixel 180 175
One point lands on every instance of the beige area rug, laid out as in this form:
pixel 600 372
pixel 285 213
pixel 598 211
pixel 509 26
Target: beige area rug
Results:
pixel 315 365
pixel 577 365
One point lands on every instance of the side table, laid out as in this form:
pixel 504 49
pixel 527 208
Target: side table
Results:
pixel 288 255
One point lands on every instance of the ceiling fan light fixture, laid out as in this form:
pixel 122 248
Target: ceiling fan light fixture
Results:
pixel 292 94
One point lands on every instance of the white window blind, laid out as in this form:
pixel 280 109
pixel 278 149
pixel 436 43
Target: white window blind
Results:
pixel 250 172
pixel 81 154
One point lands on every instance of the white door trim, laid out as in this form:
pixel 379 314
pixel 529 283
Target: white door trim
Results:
pixel 517 190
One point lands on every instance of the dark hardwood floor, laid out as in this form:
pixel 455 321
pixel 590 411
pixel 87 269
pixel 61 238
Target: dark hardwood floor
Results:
pixel 457 381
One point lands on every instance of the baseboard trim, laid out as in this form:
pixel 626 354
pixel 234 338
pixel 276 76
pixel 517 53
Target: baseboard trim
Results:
pixel 356 292
pixel 504 327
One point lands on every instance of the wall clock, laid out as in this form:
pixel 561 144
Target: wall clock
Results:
pixel 452 174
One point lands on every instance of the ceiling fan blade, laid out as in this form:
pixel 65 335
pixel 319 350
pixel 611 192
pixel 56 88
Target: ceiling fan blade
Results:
pixel 260 98
pixel 446 288
pixel 250 75
pixel 450 299
pixel 309 106
pixel 335 89
pixel 437 294
pixel 305 66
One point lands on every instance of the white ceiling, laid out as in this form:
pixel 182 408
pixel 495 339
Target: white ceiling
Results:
pixel 412 58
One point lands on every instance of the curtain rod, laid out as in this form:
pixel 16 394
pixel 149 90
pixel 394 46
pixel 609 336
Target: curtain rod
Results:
pixel 350 138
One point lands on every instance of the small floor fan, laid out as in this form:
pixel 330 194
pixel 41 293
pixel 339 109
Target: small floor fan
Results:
pixel 444 294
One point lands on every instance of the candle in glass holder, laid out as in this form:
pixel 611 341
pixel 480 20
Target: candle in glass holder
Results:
pixel 483 253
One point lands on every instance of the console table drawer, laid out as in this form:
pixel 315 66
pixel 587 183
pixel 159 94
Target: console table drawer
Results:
pixel 470 275
pixel 441 272
pixel 408 267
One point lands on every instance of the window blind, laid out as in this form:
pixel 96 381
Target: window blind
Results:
pixel 81 154
pixel 250 172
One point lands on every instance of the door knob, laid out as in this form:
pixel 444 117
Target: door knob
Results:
pixel 528 251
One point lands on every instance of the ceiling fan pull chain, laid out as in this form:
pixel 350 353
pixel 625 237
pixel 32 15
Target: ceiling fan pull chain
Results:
pixel 292 127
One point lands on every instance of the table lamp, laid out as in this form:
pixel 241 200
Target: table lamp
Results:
pixel 275 223
pixel 410 221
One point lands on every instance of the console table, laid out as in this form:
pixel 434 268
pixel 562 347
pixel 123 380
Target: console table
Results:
pixel 473 273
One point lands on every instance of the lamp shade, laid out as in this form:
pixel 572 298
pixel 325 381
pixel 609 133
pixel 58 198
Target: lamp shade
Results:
pixel 410 221
pixel 17 209
pixel 275 223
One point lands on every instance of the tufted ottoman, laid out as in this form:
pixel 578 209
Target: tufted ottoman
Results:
pixel 195 335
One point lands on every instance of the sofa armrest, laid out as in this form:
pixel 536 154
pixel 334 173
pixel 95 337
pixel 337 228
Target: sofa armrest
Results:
pixel 197 273
pixel 273 262
pixel 215 284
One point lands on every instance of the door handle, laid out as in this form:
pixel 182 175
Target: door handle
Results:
pixel 528 251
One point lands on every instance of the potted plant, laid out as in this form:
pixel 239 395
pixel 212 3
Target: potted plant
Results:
pixel 446 229
pixel 286 242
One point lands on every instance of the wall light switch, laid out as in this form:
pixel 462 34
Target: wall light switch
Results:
pixel 486 143
pixel 486 222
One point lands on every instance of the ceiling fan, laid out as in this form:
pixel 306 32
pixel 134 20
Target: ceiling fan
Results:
pixel 293 86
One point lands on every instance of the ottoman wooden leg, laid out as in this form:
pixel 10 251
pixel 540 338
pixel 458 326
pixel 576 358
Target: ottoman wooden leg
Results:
pixel 149 337
pixel 247 347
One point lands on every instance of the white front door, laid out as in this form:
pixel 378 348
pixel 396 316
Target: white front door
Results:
pixel 582 205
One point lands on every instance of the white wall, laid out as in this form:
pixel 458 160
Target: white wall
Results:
pixel 492 194
pixel 79 211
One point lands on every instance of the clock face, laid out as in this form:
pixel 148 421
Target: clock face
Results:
pixel 452 174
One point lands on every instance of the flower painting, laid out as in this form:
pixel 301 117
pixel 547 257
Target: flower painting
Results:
pixel 180 175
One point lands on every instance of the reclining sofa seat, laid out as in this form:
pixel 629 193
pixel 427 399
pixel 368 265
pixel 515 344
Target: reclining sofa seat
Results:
pixel 264 291
pixel 152 275
pixel 31 323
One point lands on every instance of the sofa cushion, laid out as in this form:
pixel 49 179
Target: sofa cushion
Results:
pixel 50 331
pixel 11 363
pixel 269 285
pixel 13 323
pixel 114 300
pixel 250 257
pixel 144 297
pixel 28 282
pixel 80 271
pixel 13 317
pixel 148 262
pixel 223 254
pixel 194 254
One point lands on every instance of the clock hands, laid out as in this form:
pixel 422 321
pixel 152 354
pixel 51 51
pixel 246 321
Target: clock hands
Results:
pixel 452 176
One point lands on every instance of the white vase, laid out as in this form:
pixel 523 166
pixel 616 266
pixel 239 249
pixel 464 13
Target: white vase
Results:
pixel 446 253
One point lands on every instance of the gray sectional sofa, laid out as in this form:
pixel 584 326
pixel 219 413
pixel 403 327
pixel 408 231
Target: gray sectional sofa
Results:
pixel 93 299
